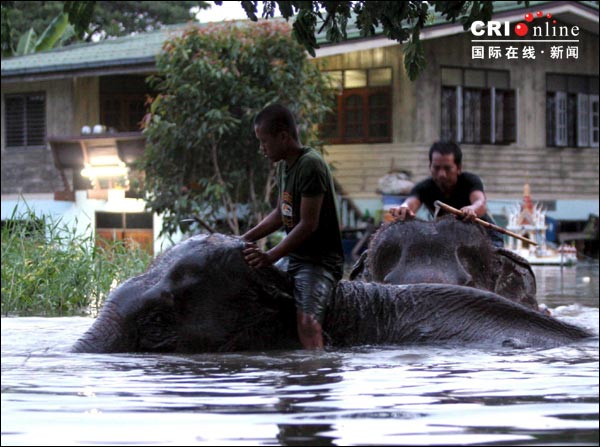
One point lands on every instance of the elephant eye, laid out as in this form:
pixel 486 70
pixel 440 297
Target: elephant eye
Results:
pixel 156 317
pixel 156 331
pixel 175 275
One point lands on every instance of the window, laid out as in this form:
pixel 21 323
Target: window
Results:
pixel 135 229
pixel 122 112
pixel 571 110
pixel 25 120
pixel 477 106
pixel 363 109
pixel 123 102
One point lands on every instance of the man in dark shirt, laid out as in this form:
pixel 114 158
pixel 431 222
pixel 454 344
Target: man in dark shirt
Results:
pixel 306 209
pixel 448 184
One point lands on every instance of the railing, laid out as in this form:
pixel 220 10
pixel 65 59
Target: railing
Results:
pixel 350 215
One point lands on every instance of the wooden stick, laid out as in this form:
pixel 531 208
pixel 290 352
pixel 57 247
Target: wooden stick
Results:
pixel 197 219
pixel 459 213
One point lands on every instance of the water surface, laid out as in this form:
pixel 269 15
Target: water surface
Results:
pixel 392 395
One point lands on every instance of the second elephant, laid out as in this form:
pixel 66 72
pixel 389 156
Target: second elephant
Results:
pixel 445 251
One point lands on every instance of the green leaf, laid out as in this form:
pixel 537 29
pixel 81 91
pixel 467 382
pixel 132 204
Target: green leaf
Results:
pixel 53 33
pixel 414 59
pixel 26 43
pixel 250 9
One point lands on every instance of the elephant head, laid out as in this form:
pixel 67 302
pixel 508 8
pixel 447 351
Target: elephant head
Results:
pixel 201 296
pixel 198 296
pixel 446 251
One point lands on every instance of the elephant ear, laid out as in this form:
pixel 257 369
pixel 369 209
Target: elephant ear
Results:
pixel 360 270
pixel 272 283
pixel 515 279
pixel 384 250
pixel 267 283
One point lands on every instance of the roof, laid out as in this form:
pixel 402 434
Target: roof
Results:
pixel 137 50
pixel 137 53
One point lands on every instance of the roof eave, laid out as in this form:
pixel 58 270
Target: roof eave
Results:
pixel 122 66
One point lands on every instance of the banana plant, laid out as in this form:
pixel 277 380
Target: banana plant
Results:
pixel 57 32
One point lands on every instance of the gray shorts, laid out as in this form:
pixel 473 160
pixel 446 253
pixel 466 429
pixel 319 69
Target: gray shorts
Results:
pixel 313 287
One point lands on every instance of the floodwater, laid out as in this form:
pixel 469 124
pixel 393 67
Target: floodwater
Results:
pixel 394 395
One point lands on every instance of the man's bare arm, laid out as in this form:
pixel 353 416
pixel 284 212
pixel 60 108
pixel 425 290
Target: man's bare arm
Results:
pixel 310 210
pixel 478 206
pixel 271 223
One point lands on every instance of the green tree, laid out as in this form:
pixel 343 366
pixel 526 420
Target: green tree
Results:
pixel 113 19
pixel 398 20
pixel 89 20
pixel 202 158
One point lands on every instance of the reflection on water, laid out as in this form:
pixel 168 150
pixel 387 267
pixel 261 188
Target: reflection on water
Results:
pixel 408 395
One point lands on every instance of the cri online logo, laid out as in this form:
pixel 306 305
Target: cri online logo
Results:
pixel 546 29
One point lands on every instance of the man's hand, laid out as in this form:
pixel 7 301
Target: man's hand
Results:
pixel 402 213
pixel 255 257
pixel 469 213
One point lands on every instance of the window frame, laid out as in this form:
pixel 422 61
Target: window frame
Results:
pixel 123 120
pixel 594 126
pixel 566 101
pixel 26 124
pixel 340 110
pixel 485 120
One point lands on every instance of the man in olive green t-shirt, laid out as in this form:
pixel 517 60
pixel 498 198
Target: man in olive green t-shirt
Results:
pixel 306 208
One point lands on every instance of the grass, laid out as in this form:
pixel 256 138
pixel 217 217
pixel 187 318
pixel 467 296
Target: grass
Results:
pixel 49 269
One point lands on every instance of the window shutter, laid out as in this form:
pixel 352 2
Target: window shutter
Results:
pixel 561 119
pixel 593 115
pixel 510 116
pixel 330 128
pixel 550 117
pixel 36 120
pixel 487 116
pixel 379 116
pixel 472 115
pixel 459 115
pixel 25 120
pixel 449 118
pixel 353 109
pixel 583 120
pixel 15 121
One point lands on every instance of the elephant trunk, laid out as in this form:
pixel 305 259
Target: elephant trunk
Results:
pixel 106 335
pixel 361 313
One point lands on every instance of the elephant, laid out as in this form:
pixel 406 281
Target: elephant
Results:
pixel 446 251
pixel 201 296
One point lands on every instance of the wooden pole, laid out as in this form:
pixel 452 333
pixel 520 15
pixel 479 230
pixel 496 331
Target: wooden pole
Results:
pixel 197 219
pixel 459 213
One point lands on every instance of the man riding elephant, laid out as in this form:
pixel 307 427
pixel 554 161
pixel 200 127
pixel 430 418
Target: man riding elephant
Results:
pixel 307 211
pixel 450 185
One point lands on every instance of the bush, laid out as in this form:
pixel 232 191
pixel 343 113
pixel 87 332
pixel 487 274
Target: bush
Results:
pixel 48 269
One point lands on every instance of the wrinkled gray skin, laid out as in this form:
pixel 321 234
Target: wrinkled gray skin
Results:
pixel 445 251
pixel 201 296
